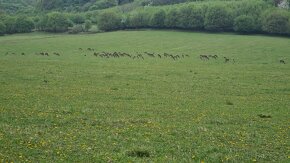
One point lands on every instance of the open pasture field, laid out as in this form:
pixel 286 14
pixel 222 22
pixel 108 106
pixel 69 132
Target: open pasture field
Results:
pixel 76 105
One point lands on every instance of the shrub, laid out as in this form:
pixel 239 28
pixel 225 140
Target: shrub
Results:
pixel 57 22
pixel 10 24
pixel 244 24
pixel 139 19
pixel 24 24
pixel 218 18
pixel 88 25
pixel 94 29
pixel 158 19
pixel 191 18
pixel 2 28
pixel 77 29
pixel 276 22
pixel 172 18
pixel 77 19
pixel 109 21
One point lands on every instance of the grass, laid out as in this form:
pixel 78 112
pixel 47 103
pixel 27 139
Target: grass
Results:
pixel 77 108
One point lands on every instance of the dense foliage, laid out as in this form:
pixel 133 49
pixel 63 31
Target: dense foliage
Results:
pixel 244 16
pixel 109 21
pixel 244 24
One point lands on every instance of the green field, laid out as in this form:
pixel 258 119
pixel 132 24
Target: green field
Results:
pixel 77 107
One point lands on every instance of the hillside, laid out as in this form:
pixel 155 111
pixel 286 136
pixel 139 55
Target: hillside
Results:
pixel 13 6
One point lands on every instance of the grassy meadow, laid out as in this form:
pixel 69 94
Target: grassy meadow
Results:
pixel 77 107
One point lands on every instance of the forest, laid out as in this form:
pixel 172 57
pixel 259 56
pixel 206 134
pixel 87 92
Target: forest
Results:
pixel 76 16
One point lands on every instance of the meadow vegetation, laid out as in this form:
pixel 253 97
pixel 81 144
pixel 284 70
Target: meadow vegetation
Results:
pixel 62 101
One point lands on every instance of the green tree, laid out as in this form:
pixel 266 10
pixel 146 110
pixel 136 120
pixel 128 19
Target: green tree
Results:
pixel 88 25
pixel 172 18
pixel 191 18
pixel 109 21
pixel 24 24
pixel 57 22
pixel 76 29
pixel 2 28
pixel 49 4
pixel 139 19
pixel 77 18
pixel 10 22
pixel 244 24
pixel 276 22
pixel 218 18
pixel 158 19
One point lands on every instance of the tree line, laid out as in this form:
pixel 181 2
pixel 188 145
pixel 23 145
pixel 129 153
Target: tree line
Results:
pixel 247 16
pixel 242 17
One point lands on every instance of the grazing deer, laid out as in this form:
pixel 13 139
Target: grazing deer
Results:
pixel 204 57
pixel 96 54
pixel 282 61
pixel 226 59
pixel 215 56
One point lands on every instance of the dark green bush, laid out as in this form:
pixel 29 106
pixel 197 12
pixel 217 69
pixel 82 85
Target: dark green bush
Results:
pixel 191 18
pixel 244 24
pixel 2 28
pixel 88 25
pixel 139 19
pixel 10 23
pixel 109 21
pixel 24 24
pixel 77 18
pixel 55 22
pixel 276 22
pixel 172 18
pixel 158 19
pixel 218 18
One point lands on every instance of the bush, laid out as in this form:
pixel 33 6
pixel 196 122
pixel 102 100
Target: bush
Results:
pixel 218 18
pixel 94 29
pixel 77 19
pixel 76 29
pixel 191 18
pixel 2 28
pixel 109 21
pixel 172 18
pixel 158 19
pixel 139 19
pixel 10 22
pixel 56 22
pixel 88 25
pixel 244 24
pixel 24 24
pixel 276 22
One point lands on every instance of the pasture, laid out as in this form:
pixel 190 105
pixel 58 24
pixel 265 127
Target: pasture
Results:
pixel 78 106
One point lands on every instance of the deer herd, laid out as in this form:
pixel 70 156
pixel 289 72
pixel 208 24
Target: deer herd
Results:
pixel 142 55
